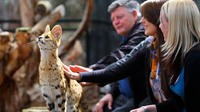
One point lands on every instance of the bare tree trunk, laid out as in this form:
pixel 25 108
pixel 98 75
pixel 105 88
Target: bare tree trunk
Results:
pixel 79 31
pixel 27 13
pixel 56 14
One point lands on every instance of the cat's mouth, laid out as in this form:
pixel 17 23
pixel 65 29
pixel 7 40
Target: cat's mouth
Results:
pixel 40 41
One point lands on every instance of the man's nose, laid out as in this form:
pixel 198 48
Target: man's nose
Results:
pixel 116 22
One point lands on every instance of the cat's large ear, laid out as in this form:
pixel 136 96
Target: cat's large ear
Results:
pixel 47 29
pixel 57 31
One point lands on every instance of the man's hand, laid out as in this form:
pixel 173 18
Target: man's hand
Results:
pixel 138 110
pixel 70 74
pixel 107 99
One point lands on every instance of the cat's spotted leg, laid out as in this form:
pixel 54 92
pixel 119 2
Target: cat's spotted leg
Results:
pixel 70 106
pixel 54 98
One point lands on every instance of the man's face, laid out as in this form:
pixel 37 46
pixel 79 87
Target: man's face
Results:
pixel 123 20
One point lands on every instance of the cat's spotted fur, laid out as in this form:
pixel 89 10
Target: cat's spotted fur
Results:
pixel 60 93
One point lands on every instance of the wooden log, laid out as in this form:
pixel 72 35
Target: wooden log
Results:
pixel 9 97
pixel 79 31
pixel 43 7
pixel 74 55
pixel 5 39
pixel 23 39
pixel 5 45
pixel 27 13
pixel 15 56
pixel 18 53
pixel 50 19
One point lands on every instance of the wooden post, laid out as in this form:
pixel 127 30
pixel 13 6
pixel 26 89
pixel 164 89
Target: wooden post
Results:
pixel 5 40
pixel 9 92
pixel 27 13
pixel 79 31
pixel 43 7
pixel 56 14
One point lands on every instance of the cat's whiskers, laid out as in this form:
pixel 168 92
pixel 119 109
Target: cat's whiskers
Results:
pixel 29 43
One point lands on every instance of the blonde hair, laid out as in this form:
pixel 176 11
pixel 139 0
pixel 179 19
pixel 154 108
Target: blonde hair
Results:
pixel 183 28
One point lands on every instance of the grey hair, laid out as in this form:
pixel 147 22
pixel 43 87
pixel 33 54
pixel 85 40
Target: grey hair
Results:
pixel 131 5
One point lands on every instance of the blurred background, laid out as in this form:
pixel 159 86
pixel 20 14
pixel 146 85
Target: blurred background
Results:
pixel 88 35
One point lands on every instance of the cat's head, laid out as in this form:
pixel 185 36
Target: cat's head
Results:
pixel 50 39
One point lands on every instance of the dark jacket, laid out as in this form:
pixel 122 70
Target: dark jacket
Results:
pixel 140 61
pixel 135 66
pixel 135 36
pixel 191 86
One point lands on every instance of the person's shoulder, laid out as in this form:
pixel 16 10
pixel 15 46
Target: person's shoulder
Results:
pixel 195 48
pixel 137 31
pixel 194 53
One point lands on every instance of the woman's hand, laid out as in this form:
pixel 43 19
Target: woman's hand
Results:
pixel 87 83
pixel 77 68
pixel 148 108
pixel 70 74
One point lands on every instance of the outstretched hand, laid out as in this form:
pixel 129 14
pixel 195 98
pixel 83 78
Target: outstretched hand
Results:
pixel 77 68
pixel 70 74
pixel 87 83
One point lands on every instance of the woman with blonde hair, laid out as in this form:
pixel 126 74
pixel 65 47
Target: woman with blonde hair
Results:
pixel 180 25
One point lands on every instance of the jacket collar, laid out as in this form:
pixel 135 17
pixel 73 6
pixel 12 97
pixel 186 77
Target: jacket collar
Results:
pixel 137 28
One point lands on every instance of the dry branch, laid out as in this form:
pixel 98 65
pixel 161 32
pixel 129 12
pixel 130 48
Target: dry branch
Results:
pixel 50 19
pixel 79 31
pixel 27 13
pixel 43 7
pixel 10 62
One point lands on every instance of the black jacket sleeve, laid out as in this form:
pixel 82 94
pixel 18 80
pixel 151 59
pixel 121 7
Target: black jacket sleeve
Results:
pixel 118 53
pixel 129 65
pixel 173 104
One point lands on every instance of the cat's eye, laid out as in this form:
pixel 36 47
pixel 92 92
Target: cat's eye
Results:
pixel 46 37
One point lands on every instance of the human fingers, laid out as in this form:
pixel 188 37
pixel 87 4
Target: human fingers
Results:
pixel 99 107
pixel 65 67
pixel 86 83
pixel 71 75
pixel 78 68
pixel 138 110
pixel 134 110
pixel 110 104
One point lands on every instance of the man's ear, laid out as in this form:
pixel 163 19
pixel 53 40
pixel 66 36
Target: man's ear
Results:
pixel 135 14
pixel 47 29
pixel 57 31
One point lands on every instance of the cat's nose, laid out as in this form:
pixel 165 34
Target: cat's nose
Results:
pixel 40 38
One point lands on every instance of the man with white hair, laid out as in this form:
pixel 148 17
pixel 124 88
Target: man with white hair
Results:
pixel 125 94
